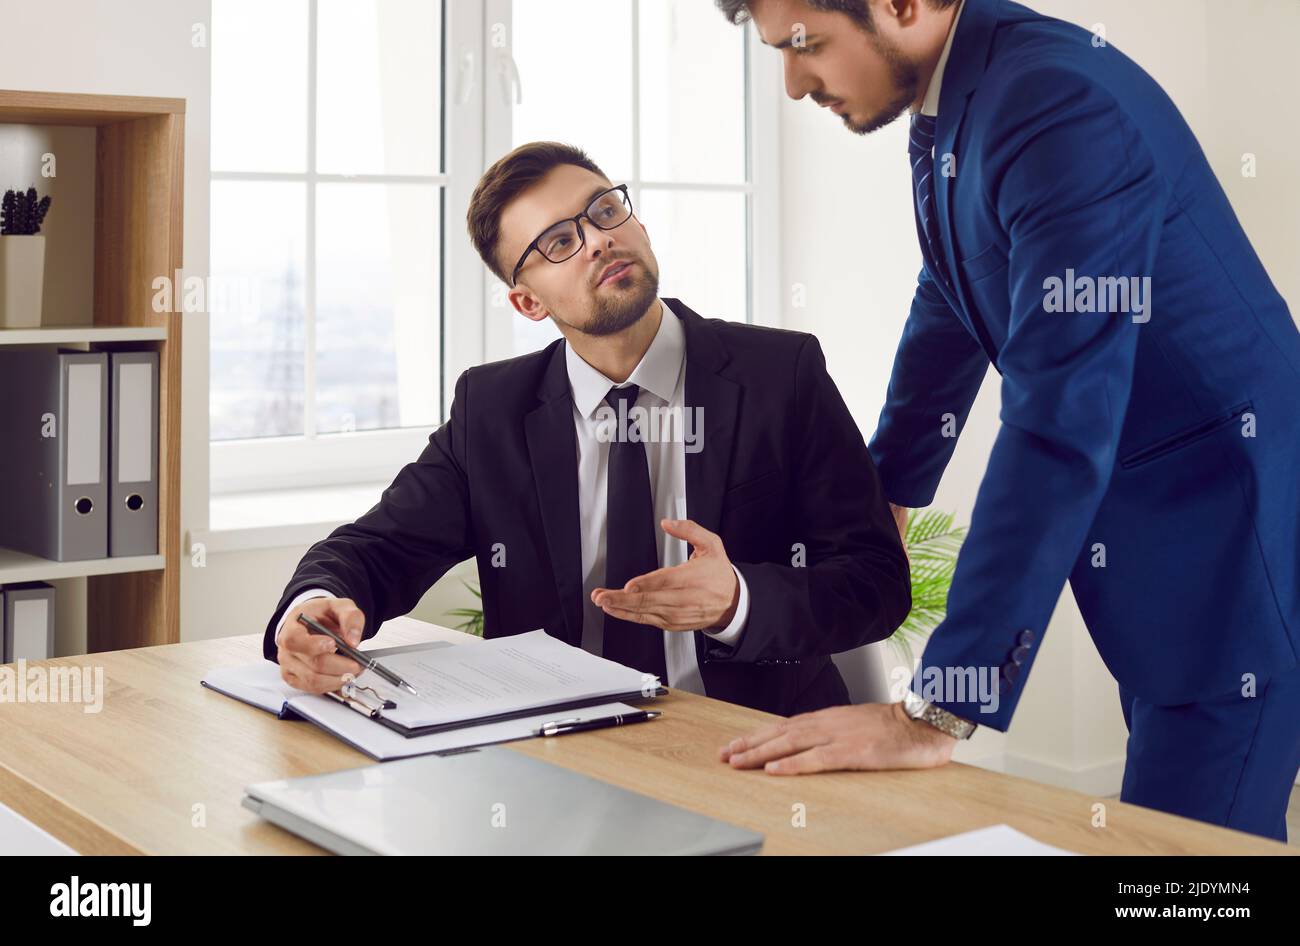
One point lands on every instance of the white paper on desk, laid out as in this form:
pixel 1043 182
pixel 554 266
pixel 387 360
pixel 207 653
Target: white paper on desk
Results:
pixel 994 841
pixel 383 744
pixel 503 675
pixel 257 684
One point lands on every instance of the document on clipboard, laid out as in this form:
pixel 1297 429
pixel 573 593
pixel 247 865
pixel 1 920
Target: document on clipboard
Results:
pixel 500 679
pixel 522 678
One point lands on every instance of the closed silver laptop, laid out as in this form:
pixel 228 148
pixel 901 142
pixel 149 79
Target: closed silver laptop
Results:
pixel 492 801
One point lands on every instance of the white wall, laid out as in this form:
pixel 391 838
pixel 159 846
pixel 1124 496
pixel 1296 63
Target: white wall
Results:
pixel 1231 70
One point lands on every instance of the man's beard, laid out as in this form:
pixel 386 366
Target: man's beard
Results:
pixel 906 80
pixel 613 312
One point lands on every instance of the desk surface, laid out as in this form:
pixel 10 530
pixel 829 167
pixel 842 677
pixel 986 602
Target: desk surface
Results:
pixel 161 770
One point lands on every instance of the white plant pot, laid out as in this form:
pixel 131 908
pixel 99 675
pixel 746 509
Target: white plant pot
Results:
pixel 22 280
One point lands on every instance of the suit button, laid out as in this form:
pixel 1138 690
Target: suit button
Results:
pixel 1004 686
pixel 1010 672
pixel 1019 655
pixel 1026 638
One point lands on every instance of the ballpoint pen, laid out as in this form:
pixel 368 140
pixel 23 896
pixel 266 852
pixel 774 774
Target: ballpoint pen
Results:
pixel 561 727
pixel 367 662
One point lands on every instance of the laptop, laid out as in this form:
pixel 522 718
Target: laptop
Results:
pixel 491 801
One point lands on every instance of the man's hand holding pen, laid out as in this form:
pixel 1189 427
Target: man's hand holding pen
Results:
pixel 308 661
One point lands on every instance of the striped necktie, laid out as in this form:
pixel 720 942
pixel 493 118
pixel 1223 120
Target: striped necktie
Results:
pixel 920 147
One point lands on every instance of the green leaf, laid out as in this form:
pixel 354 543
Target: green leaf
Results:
pixel 473 617
pixel 933 543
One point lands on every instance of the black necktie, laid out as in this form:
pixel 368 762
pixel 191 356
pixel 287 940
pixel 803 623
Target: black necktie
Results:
pixel 631 541
pixel 920 147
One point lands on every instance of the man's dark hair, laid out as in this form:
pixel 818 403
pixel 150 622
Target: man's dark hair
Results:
pixel 507 179
pixel 737 11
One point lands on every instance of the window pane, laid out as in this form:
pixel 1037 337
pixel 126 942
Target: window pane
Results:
pixel 378 87
pixel 257 302
pixel 259 85
pixel 575 69
pixel 692 93
pixel 377 319
pixel 699 239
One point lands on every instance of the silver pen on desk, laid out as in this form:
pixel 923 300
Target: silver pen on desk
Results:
pixel 367 662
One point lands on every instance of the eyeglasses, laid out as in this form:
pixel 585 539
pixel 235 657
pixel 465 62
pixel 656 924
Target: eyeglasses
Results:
pixel 565 239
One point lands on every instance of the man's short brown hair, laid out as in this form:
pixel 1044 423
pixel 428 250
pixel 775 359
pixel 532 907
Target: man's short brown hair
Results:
pixel 507 179
pixel 737 11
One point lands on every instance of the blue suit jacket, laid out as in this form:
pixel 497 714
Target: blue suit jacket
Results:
pixel 1154 463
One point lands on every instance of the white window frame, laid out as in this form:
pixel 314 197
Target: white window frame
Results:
pixel 762 185
pixel 476 323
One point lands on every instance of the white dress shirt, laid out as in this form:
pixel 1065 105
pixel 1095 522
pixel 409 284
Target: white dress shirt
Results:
pixel 931 104
pixel 661 376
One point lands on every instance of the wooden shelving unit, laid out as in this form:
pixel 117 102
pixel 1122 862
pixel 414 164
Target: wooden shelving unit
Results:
pixel 139 176
pixel 72 334
pixel 19 566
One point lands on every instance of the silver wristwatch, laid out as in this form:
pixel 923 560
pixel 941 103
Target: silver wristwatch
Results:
pixel 940 719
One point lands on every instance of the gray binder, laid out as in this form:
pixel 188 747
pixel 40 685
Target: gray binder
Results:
pixel 54 430
pixel 490 801
pixel 133 453
pixel 28 621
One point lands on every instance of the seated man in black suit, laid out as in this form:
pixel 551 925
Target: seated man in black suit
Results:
pixel 577 475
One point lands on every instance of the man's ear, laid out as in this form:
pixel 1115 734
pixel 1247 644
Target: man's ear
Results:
pixel 527 304
pixel 897 12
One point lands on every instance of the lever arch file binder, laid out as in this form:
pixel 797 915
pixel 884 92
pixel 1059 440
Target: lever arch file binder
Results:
pixel 28 621
pixel 54 431
pixel 133 453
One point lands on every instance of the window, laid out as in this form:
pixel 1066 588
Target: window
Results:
pixel 347 136
pixel 659 93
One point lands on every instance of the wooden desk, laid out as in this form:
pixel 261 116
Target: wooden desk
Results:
pixel 161 770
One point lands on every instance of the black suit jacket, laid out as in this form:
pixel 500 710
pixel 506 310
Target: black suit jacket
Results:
pixel 783 476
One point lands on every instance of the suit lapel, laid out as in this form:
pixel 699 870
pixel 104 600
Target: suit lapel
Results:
pixel 966 64
pixel 553 455
pixel 715 400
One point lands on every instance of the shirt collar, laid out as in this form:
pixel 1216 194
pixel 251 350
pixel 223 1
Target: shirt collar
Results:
pixel 931 104
pixel 656 372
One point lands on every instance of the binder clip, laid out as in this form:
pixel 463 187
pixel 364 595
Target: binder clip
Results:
pixel 371 705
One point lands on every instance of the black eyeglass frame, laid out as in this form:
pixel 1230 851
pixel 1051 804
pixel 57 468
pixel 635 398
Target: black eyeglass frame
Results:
pixel 576 219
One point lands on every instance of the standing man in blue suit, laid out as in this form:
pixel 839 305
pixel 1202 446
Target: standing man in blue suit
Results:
pixel 1074 237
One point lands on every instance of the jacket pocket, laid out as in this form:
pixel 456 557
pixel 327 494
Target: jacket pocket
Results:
pixel 986 261
pixel 752 490
pixel 1184 437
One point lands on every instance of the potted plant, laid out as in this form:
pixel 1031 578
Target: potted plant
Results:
pixel 22 258
pixel 932 545
pixel 471 618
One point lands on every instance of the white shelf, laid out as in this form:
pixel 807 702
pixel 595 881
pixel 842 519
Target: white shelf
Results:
pixel 18 566
pixel 73 334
